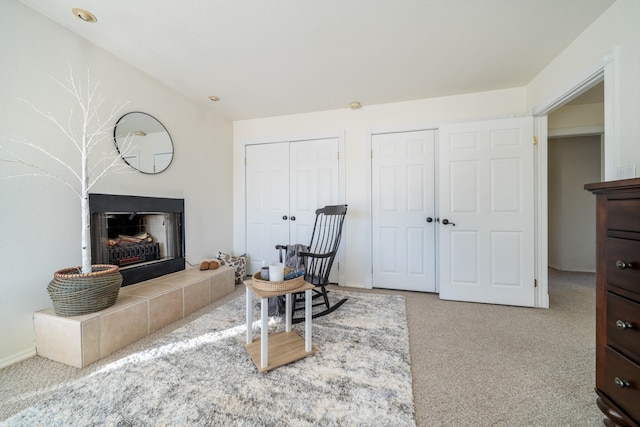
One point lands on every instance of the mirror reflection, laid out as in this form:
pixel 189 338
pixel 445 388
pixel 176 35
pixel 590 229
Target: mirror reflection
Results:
pixel 143 142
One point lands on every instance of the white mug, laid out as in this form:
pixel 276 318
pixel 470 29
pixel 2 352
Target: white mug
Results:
pixel 276 272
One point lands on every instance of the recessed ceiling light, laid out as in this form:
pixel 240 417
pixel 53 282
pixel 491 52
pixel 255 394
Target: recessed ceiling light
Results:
pixel 214 98
pixel 355 105
pixel 85 15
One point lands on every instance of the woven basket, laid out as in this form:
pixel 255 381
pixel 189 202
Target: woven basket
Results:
pixel 286 285
pixel 74 293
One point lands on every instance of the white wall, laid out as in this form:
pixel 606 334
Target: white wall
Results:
pixel 616 29
pixel 40 218
pixel 577 118
pixel 573 162
pixel 355 125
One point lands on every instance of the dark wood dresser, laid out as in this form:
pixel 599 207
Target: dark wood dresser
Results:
pixel 618 300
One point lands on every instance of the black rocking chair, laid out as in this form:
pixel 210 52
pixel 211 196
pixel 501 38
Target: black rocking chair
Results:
pixel 318 258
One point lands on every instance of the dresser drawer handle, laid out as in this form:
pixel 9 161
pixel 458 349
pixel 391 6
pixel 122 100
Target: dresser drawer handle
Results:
pixel 621 324
pixel 623 264
pixel 621 383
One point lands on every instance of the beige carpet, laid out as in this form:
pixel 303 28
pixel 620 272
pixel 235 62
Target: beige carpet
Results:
pixel 472 364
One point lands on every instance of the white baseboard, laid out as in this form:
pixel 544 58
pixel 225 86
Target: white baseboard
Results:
pixel 356 285
pixel 18 357
pixel 573 269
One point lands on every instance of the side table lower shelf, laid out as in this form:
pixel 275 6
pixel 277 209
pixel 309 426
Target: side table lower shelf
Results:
pixel 284 348
pixel 277 349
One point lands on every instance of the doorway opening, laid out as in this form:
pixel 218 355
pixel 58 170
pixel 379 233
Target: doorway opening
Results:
pixel 574 158
pixel 603 76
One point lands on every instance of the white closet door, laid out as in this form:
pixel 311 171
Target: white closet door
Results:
pixel 487 190
pixel 314 183
pixel 267 202
pixel 285 183
pixel 402 203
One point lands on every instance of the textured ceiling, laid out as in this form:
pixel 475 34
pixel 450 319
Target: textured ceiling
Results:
pixel 275 57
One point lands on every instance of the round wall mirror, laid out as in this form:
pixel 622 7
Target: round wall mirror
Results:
pixel 143 142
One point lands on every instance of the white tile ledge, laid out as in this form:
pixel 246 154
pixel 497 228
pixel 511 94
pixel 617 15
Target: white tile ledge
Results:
pixel 140 309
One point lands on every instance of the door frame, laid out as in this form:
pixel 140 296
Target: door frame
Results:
pixel 368 278
pixel 604 70
pixel 240 242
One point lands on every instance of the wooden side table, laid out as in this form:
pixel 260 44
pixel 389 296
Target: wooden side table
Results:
pixel 281 348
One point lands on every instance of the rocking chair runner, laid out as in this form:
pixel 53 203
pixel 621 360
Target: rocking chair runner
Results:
pixel 318 258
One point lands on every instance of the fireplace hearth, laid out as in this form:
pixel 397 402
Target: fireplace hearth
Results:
pixel 142 235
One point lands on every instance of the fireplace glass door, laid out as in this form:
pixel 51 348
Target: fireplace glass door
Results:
pixel 126 239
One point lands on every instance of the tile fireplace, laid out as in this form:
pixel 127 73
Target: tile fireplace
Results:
pixel 142 235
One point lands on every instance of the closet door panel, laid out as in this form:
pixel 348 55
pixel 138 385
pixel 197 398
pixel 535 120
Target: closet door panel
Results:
pixel 403 198
pixel 267 202
pixel 486 180
pixel 314 183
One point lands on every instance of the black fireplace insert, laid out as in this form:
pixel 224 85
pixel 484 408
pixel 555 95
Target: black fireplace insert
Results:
pixel 142 235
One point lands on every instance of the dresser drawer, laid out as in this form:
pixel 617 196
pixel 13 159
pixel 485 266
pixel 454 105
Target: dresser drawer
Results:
pixel 623 263
pixel 623 324
pixel 622 382
pixel 623 214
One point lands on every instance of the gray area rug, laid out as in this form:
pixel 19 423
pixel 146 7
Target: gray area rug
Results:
pixel 201 375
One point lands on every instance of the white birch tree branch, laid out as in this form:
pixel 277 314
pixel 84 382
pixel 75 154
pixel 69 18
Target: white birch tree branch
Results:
pixel 41 173
pixel 86 131
pixel 41 150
